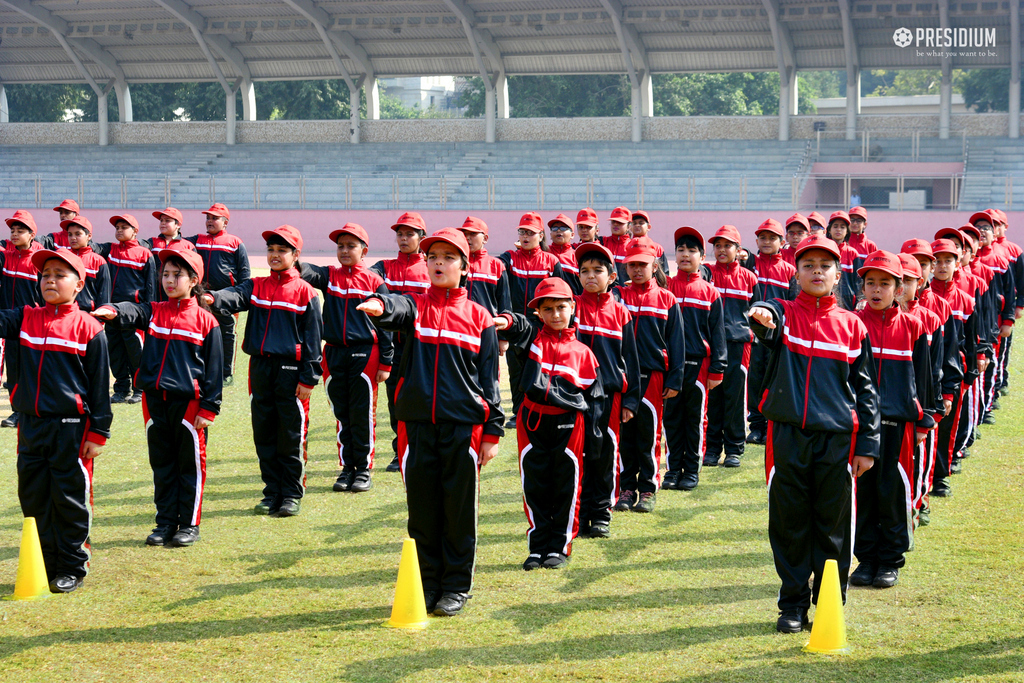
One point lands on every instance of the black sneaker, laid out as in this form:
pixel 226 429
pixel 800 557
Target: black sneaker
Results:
pixel 450 604
pixel 989 419
pixel 756 437
pixel 10 421
pixel 511 422
pixel 430 599
pixel 792 621
pixel 966 453
pixel 266 506
pixel 887 577
pixel 161 534
pixel 394 465
pixel 599 530
pixel 555 561
pixel 977 434
pixel 925 517
pixel 361 482
pixel 688 481
pixel 65 583
pixel 710 461
pixel 670 481
pixel 186 536
pixel 646 502
pixel 941 488
pixel 957 466
pixel 863 575
pixel 627 499
pixel 995 404
pixel 289 508
pixel 532 562
pixel 134 398
pixel 119 397
pixel 731 461
pixel 1004 390
pixel 229 380
pixel 344 481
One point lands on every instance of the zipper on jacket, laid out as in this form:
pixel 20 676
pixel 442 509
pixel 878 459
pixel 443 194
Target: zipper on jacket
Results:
pixel 437 356
pixel 167 345
pixel 270 309
pixel 810 360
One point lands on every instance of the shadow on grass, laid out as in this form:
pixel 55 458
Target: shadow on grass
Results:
pixel 9 553
pixel 267 562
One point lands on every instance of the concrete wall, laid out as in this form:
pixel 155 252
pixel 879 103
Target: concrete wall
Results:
pixel 472 130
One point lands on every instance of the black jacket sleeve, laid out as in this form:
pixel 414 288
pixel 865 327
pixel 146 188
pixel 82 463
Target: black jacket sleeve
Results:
pixel 1009 291
pixel 312 325
pixel 487 369
pixel 97 371
pixel 768 336
pixel 1018 280
pixel 152 276
pixel 971 348
pixel 719 352
pixel 631 359
pixel 385 340
pixel 399 312
pixel 10 324
pixel 133 316
pixel 504 293
pixel 378 268
pixel 862 370
pixel 212 386
pixel 234 299
pixel 923 369
pixel 101 248
pixel 317 276
pixel 242 271
pixel 952 368
pixel 520 334
pixel 676 349
pixel 102 286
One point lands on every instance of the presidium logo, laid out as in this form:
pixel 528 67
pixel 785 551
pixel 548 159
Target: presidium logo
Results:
pixel 903 37
pixel 945 37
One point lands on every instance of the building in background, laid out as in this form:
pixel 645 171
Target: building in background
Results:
pixel 424 92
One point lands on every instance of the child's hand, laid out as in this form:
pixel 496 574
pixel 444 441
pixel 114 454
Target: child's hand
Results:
pixel 670 393
pixel 763 316
pixel 982 365
pixel 501 323
pixel 919 438
pixel 201 423
pixel 371 307
pixel 627 415
pixel 487 452
pixel 947 405
pixel 861 464
pixel 302 392
pixel 502 347
pixel 382 376
pixel 1005 330
pixel 208 299
pixel 104 313
pixel 712 383
pixel 90 450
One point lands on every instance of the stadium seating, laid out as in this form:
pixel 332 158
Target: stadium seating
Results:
pixel 995 169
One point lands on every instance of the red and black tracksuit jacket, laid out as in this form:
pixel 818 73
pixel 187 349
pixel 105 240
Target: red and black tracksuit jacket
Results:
pixel 617 244
pixel 487 283
pixel 133 278
pixel 686 415
pixel 849 283
pixel 63 401
pixel 863 247
pixel 448 405
pixel 822 408
pixel 903 381
pixel 571 270
pixel 942 387
pixel 776 279
pixel 181 377
pixel 225 264
pixel 661 350
pixel 19 287
pixel 562 384
pixel 604 325
pixel 727 406
pixel 1016 263
pixel 354 351
pixel 282 337
pixel 97 280
pixel 55 240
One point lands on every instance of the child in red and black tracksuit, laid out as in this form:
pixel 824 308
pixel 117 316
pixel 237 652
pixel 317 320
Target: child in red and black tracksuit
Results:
pixel 561 383
pixel 686 421
pixel 133 277
pixel 561 246
pixel 587 228
pixel 1015 257
pixel 839 232
pixel 639 227
pixel 169 238
pixel 357 356
pixel 282 337
pixel 903 382
pixel 526 265
pixel 182 380
pixel 66 210
pixel 727 407
pixel 449 413
pixel 97 275
pixel 658 328
pixel 1004 298
pixel 487 282
pixel 226 264
pixel 406 274
pixel 797 229
pixel 61 395
pixel 823 425
pixel 604 325
pixel 774 281
pixel 620 227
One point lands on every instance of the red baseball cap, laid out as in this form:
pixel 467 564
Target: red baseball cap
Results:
pixel 885 261
pixel 586 217
pixel 815 217
pixel 621 214
pixel 192 258
pixel 474 224
pixel 727 232
pixel 218 209
pixel 911 268
pixel 531 221
pixel 80 221
pixel 985 215
pixel 841 215
pixel 25 218
pixel 170 212
pixel 800 219
pixel 773 226
pixel 410 219
pixel 816 242
pixel 916 247
pixel 639 251
pixel 127 218
pixel 66 255
pixel 563 219
pixel 288 233
pixel 971 231
pixel 1001 215
pixel 641 214
pixel 859 211
pixel 948 233
pixel 943 246
pixel 449 236
pixel 588 247
pixel 687 230
pixel 67 205
pixel 550 288
pixel 353 229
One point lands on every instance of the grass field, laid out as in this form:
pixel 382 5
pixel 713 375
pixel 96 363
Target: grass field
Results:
pixel 684 594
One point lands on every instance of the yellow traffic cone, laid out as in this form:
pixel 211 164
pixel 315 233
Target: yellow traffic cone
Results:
pixel 828 635
pixel 31 583
pixel 409 609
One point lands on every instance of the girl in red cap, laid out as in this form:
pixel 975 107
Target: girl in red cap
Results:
pixel 282 337
pixel 849 284
pixel 822 409
pixel 357 356
pixel 562 385
pixel 903 381
pixel 858 235
pixel 449 413
pixel 561 246
pixel 181 379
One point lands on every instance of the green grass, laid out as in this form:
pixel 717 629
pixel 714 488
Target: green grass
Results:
pixel 684 594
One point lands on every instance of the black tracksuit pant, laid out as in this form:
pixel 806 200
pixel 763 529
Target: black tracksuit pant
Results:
pixel 885 499
pixel 515 374
pixel 759 357
pixel 227 337
pixel 810 508
pixel 1004 361
pixel 55 487
pixel 350 382
pixel 280 423
pixel 947 437
pixel 125 348
pixel 442 484
pixel 600 461
pixel 727 406
pixel 686 419
pixel 177 454
pixel 550 453
pixel 640 439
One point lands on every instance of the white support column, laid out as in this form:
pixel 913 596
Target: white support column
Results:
pixel 646 95
pixel 501 95
pixel 785 99
pixel 490 106
pixel 124 102
pixel 4 112
pixel 101 116
pixel 794 94
pixel 353 105
pixel 248 100
pixel 946 86
pixel 372 99
pixel 635 109
pixel 852 102
pixel 1014 70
